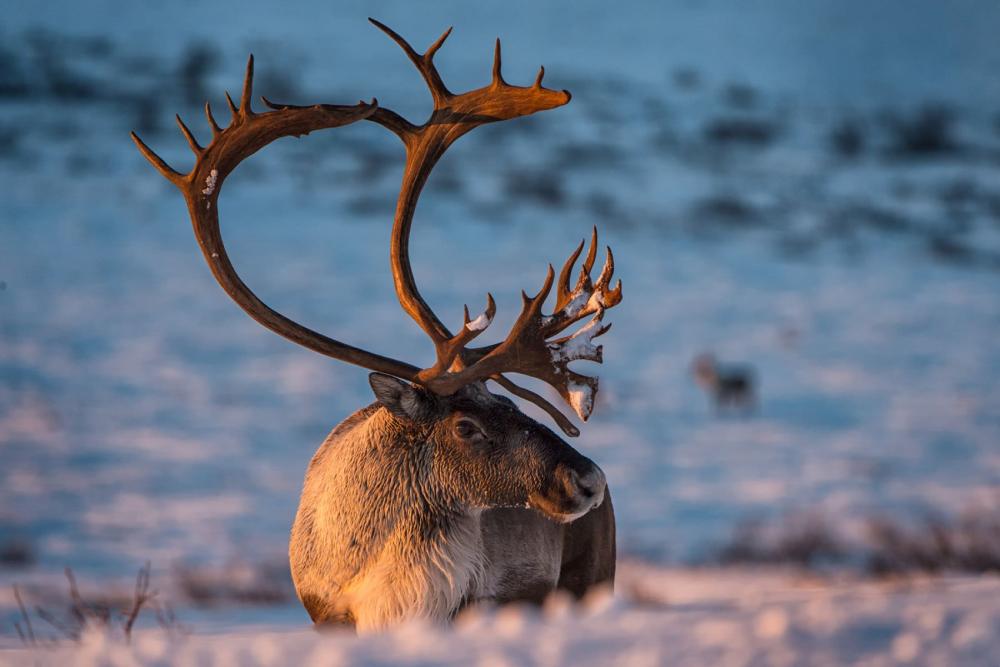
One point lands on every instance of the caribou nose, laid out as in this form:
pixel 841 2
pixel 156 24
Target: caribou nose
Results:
pixel 592 485
pixel 575 489
pixel 587 486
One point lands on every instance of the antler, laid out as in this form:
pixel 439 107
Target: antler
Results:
pixel 452 116
pixel 530 348
pixel 247 133
pixel 527 349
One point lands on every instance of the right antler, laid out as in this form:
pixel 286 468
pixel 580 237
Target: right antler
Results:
pixel 528 348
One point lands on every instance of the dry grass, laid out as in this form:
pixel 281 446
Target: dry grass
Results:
pixel 805 539
pixel 969 542
pixel 108 613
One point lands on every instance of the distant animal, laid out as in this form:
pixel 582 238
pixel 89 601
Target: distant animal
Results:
pixel 440 493
pixel 728 386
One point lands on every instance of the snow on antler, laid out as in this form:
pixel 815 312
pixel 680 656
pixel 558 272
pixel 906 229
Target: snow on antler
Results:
pixel 480 323
pixel 581 399
pixel 581 344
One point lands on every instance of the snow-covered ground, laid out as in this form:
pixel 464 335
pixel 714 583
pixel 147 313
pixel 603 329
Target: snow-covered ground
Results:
pixel 664 617
pixel 823 205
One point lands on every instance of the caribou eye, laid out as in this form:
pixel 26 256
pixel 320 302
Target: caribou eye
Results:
pixel 467 429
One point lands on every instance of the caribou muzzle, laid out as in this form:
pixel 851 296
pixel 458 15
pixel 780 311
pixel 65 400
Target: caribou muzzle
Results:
pixel 574 490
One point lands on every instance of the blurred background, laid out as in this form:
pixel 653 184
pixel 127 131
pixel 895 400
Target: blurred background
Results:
pixel 809 192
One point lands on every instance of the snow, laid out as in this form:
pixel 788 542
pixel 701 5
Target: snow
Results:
pixel 575 304
pixel 596 300
pixel 581 398
pixel 580 345
pixel 210 182
pixel 660 616
pixel 479 323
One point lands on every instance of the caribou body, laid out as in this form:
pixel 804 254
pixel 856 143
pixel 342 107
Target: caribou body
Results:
pixel 441 493
pixel 418 504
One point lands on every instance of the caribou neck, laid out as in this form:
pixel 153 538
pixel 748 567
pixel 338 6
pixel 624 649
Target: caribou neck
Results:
pixel 410 550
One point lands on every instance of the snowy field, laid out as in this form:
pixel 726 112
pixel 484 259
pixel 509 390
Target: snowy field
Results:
pixel 812 190
pixel 684 618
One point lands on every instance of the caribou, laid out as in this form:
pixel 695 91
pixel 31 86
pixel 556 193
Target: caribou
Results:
pixel 441 493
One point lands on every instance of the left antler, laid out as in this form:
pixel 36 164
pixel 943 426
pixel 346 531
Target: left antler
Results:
pixel 528 348
pixel 246 133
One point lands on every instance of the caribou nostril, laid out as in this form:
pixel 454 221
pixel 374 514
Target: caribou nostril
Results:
pixel 589 487
pixel 591 484
pixel 584 487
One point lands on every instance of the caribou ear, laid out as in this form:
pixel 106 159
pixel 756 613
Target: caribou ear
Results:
pixel 399 397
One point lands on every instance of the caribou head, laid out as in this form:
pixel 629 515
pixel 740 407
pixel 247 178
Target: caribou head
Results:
pixel 441 492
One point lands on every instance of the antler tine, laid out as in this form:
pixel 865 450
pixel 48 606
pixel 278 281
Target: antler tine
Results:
pixel 192 142
pixel 216 130
pixel 245 107
pixel 433 48
pixel 607 271
pixel 588 263
pixel 543 294
pixel 232 108
pixel 423 62
pixel 608 297
pixel 563 294
pixel 487 315
pixel 497 75
pixel 165 169
pixel 539 77
pixel 449 350
pixel 396 37
pixel 565 424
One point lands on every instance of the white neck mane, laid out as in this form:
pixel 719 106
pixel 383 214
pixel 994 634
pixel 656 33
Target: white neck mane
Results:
pixel 424 577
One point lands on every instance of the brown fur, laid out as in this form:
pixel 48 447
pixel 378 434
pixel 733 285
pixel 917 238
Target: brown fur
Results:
pixel 588 557
pixel 420 504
